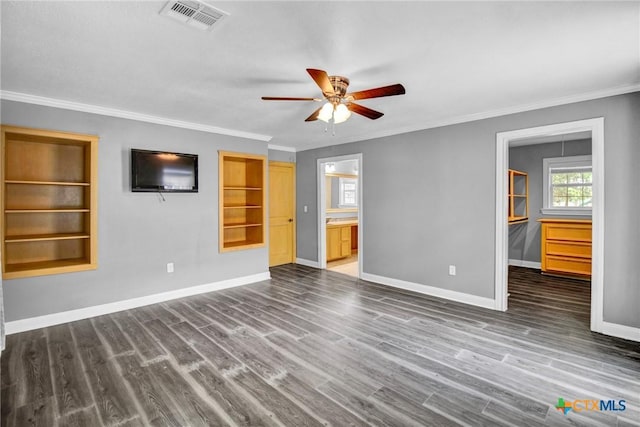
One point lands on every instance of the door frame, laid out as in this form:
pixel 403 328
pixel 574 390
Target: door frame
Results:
pixel 596 127
pixel 293 208
pixel 322 215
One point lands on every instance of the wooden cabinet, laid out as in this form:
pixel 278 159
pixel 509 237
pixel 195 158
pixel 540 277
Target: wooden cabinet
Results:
pixel 518 197
pixel 242 204
pixel 49 202
pixel 566 247
pixel 338 241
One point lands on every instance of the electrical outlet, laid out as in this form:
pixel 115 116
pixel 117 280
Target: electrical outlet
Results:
pixel 169 267
pixel 306 208
pixel 452 270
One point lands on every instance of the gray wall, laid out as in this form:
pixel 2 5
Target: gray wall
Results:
pixel 282 156
pixel 138 233
pixel 524 238
pixel 444 181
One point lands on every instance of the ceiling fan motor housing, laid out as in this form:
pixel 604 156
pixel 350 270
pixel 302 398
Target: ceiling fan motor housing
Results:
pixel 340 85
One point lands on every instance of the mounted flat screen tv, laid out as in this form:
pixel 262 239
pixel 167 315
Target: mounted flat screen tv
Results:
pixel 163 171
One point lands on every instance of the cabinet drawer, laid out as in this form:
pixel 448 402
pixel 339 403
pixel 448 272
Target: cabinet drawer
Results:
pixel 568 232
pixel 568 265
pixel 572 249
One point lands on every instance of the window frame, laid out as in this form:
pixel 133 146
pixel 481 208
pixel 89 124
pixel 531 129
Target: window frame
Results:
pixel 341 182
pixel 562 163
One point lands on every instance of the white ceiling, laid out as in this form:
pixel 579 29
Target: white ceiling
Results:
pixel 457 60
pixel 551 138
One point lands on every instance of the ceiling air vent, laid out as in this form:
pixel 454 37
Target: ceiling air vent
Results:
pixel 193 13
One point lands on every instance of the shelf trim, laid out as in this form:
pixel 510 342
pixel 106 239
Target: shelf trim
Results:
pixel 243 188
pixel 518 221
pixel 241 244
pixel 38 268
pixel 61 183
pixel 21 211
pixel 243 207
pixel 230 226
pixel 45 237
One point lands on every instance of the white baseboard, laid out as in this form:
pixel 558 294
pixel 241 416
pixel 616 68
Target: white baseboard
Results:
pixel 432 291
pixel 22 325
pixel 528 264
pixel 621 331
pixel 307 262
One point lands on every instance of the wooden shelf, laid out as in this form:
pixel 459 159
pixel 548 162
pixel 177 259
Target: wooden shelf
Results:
pixel 42 237
pixel 242 244
pixel 241 225
pixel 244 188
pixel 30 269
pixel 518 197
pixel 518 220
pixel 21 211
pixel 13 181
pixel 49 202
pixel 242 217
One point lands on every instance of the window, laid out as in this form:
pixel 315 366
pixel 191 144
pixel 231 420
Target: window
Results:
pixel 567 185
pixel 348 192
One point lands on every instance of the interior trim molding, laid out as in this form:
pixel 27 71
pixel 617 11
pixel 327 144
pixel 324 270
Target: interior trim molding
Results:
pixel 588 96
pixel 596 127
pixel 431 290
pixel 124 114
pixel 524 263
pixel 281 148
pixel 621 331
pixel 88 108
pixel 307 262
pixel 22 325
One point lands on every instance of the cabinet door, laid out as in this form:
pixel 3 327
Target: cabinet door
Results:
pixel 333 243
pixel 345 241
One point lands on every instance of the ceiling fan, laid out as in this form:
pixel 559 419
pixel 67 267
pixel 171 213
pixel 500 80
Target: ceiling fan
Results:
pixel 340 105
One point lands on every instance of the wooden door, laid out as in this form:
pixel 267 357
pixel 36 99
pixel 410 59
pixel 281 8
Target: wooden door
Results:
pixel 282 228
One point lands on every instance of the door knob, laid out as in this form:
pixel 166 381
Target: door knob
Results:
pixel 290 220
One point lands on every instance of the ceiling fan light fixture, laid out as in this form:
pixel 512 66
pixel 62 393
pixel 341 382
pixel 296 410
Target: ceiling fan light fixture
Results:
pixel 340 105
pixel 341 114
pixel 326 112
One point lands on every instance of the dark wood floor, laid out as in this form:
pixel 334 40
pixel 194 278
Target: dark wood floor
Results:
pixel 312 347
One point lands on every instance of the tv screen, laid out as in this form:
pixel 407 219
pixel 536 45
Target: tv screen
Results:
pixel 163 171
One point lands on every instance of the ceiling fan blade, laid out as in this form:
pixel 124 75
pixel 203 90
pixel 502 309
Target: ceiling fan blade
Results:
pixel 314 116
pixel 322 79
pixel 364 111
pixel 378 92
pixel 277 98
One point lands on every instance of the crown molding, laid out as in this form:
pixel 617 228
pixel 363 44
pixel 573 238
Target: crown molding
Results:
pixel 587 96
pixel 113 112
pixel 124 114
pixel 282 148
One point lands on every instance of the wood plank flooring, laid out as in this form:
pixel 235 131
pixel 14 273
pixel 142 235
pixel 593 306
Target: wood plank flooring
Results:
pixel 312 348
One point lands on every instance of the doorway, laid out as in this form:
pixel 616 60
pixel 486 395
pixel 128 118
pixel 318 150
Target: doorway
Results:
pixel 595 129
pixel 340 211
pixel 550 226
pixel 282 228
